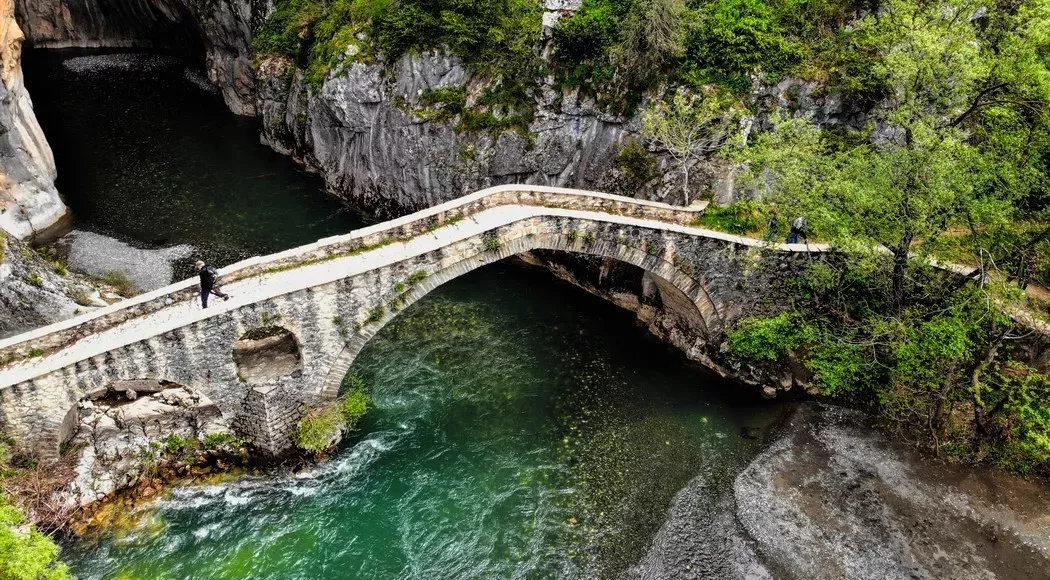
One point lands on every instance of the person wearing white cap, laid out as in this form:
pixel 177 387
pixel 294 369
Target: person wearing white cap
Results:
pixel 208 278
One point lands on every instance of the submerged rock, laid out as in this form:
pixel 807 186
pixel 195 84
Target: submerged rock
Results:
pixel 835 499
pixel 701 539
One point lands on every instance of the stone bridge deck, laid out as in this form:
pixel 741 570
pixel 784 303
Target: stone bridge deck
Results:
pixel 335 294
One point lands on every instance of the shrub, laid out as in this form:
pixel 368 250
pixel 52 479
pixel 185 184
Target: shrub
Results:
pixel 734 38
pixel 587 35
pixel 119 281
pixel 319 429
pixel 175 444
pixel 416 277
pixel 492 245
pixel 768 339
pixel 746 217
pixel 223 440
pixel 376 314
pixel 25 553
pixel 285 30
pixel 354 404
pixel 637 168
pixel 651 38
pixel 322 427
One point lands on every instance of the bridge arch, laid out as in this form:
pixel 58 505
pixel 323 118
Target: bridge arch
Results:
pixel 645 254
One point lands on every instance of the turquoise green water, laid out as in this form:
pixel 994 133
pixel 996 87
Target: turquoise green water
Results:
pixel 521 429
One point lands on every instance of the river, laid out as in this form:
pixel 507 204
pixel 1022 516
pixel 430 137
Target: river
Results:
pixel 520 427
pixel 148 153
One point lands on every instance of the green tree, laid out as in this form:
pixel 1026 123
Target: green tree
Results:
pixel 931 158
pixel 690 127
pixel 956 151
pixel 652 39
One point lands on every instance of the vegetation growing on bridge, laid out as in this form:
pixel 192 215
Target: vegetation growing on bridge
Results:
pixel 322 426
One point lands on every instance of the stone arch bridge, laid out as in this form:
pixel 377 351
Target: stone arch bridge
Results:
pixel 337 293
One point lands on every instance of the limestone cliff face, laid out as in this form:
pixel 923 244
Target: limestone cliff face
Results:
pixel 29 203
pixel 217 31
pixel 360 132
pixel 365 132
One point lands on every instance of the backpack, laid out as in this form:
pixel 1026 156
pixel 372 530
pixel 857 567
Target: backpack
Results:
pixel 800 224
pixel 208 277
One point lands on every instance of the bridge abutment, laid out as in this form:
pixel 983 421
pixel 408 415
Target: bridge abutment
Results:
pixel 268 418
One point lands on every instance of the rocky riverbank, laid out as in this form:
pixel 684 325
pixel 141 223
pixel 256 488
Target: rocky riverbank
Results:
pixel 36 291
pixel 832 497
pixel 123 446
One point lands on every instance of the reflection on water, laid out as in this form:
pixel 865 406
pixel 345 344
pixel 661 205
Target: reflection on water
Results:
pixel 521 429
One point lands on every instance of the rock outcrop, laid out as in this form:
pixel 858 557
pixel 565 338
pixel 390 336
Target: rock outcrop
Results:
pixel 834 499
pixel 33 293
pixel 29 203
pixel 124 428
pixel 362 134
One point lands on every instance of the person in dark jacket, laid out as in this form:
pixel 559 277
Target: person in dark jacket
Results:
pixel 799 228
pixel 208 278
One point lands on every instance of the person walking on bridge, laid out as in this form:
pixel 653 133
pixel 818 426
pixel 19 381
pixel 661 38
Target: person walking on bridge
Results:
pixel 208 278
pixel 799 229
